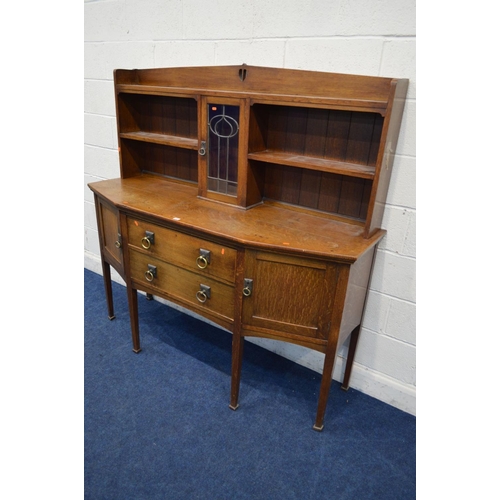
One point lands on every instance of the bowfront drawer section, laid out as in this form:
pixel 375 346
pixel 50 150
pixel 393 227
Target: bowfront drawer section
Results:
pixel 181 285
pixel 188 252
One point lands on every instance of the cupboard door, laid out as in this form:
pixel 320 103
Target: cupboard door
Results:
pixel 291 297
pixel 222 156
pixel 110 237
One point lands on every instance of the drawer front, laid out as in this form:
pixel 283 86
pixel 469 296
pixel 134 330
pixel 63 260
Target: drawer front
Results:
pixel 182 285
pixel 188 252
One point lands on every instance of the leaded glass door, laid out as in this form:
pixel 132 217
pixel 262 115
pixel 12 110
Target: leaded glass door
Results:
pixel 223 136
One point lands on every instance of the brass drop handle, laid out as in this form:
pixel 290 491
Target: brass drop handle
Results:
pixel 151 273
pixel 118 244
pixel 203 259
pixel 247 287
pixel 201 262
pixel 203 293
pixel 148 240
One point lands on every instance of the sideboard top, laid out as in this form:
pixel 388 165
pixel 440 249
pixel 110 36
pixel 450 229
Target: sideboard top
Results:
pixel 264 226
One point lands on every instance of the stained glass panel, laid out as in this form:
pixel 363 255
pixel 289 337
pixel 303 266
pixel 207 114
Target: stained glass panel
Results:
pixel 223 128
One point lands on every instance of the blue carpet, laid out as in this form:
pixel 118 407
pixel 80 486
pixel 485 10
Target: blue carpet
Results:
pixel 158 425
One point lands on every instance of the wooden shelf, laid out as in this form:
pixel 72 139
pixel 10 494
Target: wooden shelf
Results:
pixel 314 163
pixel 165 140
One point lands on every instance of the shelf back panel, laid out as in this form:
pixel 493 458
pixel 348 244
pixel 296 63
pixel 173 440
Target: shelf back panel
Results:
pixel 344 136
pixel 158 115
pixel 330 193
pixel 167 161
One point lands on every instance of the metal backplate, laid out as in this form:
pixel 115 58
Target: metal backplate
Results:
pixel 151 237
pixel 205 289
pixel 247 287
pixel 206 254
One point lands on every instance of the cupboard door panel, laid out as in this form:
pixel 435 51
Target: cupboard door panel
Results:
pixel 289 295
pixel 110 234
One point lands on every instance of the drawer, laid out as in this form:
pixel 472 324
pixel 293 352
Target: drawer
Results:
pixel 188 252
pixel 182 285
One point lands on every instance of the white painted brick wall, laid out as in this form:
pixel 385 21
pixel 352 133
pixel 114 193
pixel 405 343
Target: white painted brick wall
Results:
pixel 372 37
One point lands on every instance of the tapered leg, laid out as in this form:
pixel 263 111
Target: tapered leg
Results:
pixel 134 318
pixel 106 272
pixel 326 382
pixel 237 359
pixel 350 357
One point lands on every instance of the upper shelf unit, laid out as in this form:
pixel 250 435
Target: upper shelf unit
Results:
pixel 318 141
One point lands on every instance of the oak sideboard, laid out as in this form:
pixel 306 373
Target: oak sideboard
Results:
pixel 253 197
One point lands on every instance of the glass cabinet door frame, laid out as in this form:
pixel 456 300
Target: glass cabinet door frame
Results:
pixel 203 134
